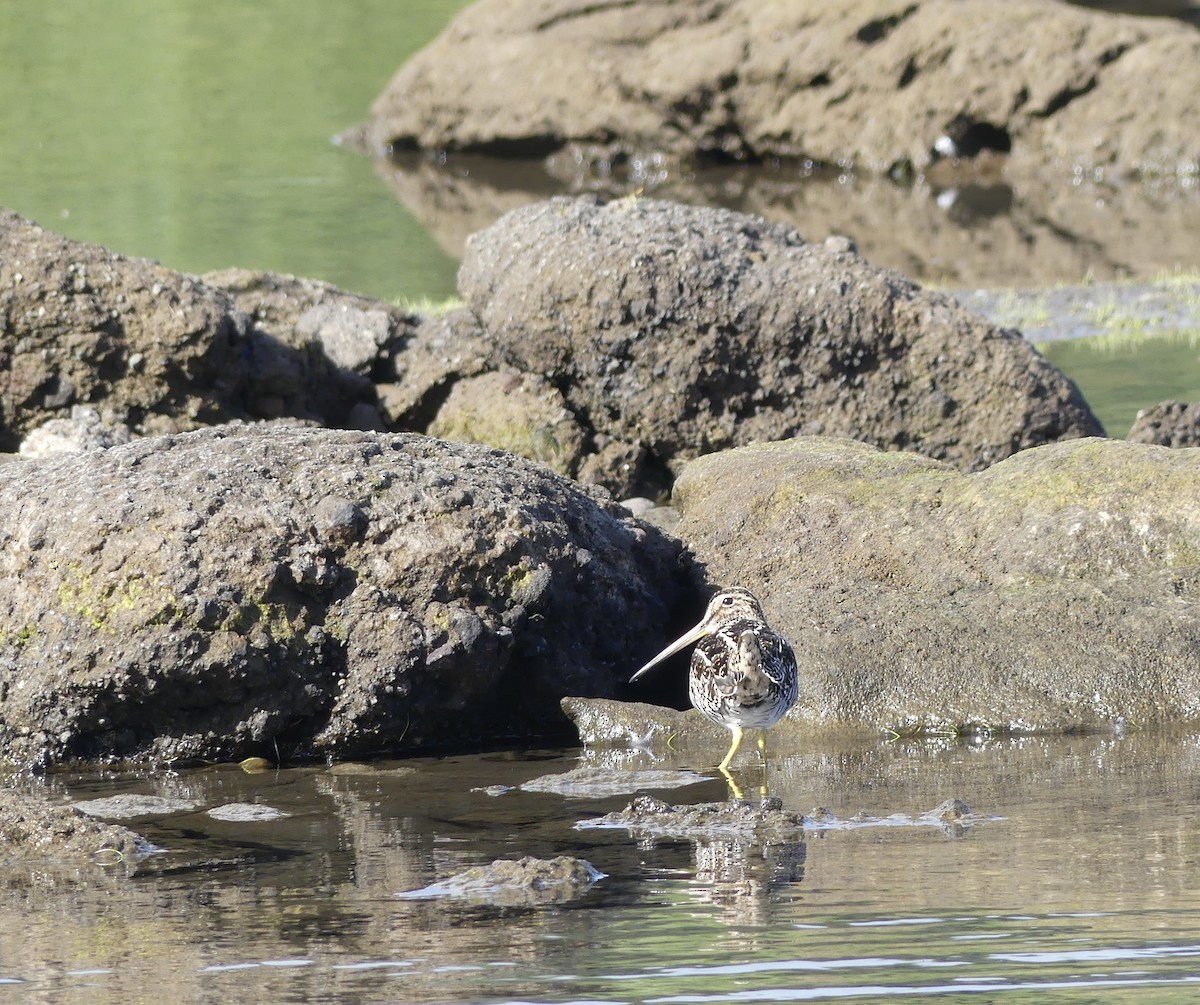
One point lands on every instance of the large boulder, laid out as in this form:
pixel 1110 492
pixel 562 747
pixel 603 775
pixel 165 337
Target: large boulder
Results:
pixel 1057 590
pixel 288 591
pixel 683 330
pixel 886 85
pixel 160 351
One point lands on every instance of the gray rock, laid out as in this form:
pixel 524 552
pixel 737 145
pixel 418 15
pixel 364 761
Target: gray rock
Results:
pixel 1056 590
pixel 439 351
pixel 680 330
pixel 1170 423
pixel 35 830
pixel 286 591
pixel 82 324
pixel 86 429
pixel 603 783
pixel 351 337
pixel 523 414
pixel 130 805
pixel 527 882
pixel 890 86
pixel 246 813
pixel 158 351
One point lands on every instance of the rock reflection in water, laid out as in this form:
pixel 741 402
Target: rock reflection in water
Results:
pixel 968 230
pixel 1091 848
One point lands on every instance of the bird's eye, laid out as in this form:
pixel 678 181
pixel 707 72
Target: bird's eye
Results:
pixel 727 601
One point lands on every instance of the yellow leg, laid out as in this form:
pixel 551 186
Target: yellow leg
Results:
pixel 762 745
pixel 737 742
pixel 734 788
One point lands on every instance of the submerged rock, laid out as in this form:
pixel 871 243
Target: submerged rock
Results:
pixel 603 783
pixel 130 805
pixel 651 815
pixel 527 882
pixel 1056 590
pixel 247 813
pixel 289 591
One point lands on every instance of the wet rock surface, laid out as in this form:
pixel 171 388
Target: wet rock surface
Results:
pixel 766 821
pixel 682 331
pixel 891 87
pixel 649 814
pixel 32 829
pixel 284 591
pixel 129 806
pixel 601 783
pixel 526 882
pixel 1056 590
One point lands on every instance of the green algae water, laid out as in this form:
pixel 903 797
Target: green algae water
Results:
pixel 199 133
pixel 1074 881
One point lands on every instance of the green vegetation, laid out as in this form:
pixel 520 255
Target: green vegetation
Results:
pixel 81 596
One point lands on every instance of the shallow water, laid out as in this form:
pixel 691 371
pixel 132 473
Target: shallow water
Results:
pixel 1075 881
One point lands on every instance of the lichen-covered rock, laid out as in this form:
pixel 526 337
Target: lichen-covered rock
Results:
pixel 284 591
pixel 1056 590
pixel 678 331
pixel 523 414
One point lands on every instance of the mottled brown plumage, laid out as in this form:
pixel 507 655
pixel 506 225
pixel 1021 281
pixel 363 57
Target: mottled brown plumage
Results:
pixel 743 673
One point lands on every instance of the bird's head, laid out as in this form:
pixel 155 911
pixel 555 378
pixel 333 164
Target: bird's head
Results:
pixel 735 604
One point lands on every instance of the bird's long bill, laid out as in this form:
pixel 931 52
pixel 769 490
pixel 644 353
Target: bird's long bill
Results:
pixel 695 635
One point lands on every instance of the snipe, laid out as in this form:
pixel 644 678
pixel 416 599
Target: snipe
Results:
pixel 743 673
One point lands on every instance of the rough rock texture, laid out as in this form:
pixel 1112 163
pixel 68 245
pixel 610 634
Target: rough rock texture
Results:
pixel 440 350
pixel 524 883
pixel 681 330
pixel 1171 423
pixel 162 351
pixel 523 414
pixel 1057 590
pixel 32 829
pixel 84 429
pixel 284 591
pixel 889 85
